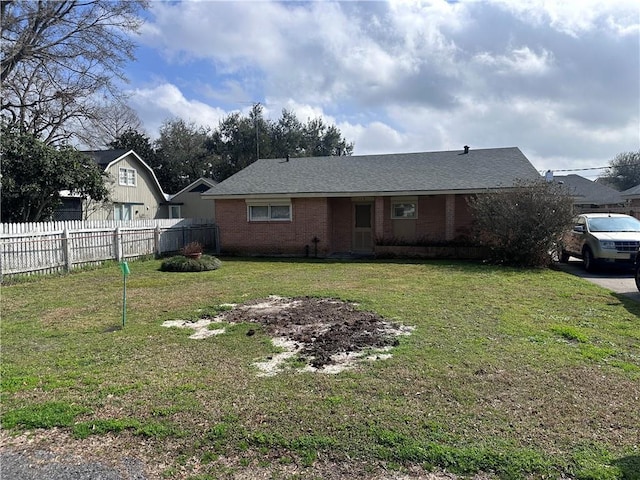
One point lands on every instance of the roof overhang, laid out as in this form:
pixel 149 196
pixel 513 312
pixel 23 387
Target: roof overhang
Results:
pixel 206 181
pixel 407 193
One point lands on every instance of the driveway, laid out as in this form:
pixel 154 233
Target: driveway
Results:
pixel 617 280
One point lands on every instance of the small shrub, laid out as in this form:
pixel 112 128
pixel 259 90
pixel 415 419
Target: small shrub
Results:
pixel 192 248
pixel 180 263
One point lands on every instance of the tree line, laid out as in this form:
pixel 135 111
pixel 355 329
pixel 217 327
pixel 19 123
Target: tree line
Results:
pixel 186 151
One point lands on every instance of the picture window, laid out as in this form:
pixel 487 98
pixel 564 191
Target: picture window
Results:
pixel 404 210
pixel 269 212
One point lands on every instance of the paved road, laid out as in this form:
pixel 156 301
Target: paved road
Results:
pixel 616 280
pixel 40 464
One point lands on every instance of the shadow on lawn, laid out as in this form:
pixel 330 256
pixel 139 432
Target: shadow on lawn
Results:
pixel 630 303
pixel 629 466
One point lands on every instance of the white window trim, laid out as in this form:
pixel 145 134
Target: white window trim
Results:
pixel 269 204
pixel 395 201
pixel 171 207
pixel 126 171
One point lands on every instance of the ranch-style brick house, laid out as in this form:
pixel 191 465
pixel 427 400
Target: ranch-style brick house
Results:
pixel 345 205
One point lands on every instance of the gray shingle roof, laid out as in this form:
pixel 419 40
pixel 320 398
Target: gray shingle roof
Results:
pixel 105 157
pixel 403 173
pixel 586 192
pixel 632 192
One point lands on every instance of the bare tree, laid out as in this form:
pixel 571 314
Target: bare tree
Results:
pixel 112 122
pixel 58 57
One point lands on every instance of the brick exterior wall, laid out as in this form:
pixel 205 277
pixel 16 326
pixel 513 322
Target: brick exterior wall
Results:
pixel 431 218
pixel 634 207
pixel 331 221
pixel 239 236
pixel 387 224
pixel 380 208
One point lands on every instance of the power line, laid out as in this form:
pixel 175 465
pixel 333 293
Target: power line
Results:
pixel 577 169
pixel 589 168
pixel 581 169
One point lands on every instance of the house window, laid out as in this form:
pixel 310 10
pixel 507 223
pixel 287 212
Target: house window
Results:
pixel 400 210
pixel 123 211
pixel 174 211
pixel 269 212
pixel 127 177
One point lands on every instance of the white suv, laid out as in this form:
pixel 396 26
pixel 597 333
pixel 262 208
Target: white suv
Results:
pixel 601 238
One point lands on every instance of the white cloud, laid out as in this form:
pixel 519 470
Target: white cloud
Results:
pixel 558 78
pixel 574 17
pixel 520 61
pixel 303 112
pixel 156 104
pixel 376 137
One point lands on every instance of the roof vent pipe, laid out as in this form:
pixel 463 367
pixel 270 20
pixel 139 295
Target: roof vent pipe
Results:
pixel 466 149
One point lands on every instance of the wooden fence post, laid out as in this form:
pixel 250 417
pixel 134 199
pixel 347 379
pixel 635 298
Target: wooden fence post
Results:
pixel 156 241
pixel 216 238
pixel 117 243
pixel 66 249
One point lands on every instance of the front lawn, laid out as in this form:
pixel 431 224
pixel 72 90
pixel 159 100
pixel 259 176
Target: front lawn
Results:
pixel 521 374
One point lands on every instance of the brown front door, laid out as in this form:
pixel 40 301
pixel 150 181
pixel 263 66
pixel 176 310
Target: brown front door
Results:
pixel 362 231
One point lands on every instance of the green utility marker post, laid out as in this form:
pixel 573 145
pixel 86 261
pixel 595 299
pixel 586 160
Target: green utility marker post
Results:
pixel 125 272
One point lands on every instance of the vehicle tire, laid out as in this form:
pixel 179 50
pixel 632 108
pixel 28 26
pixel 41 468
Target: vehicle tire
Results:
pixel 638 276
pixel 564 256
pixel 587 260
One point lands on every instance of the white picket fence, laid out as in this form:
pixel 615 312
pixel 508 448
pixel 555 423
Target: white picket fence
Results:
pixel 48 247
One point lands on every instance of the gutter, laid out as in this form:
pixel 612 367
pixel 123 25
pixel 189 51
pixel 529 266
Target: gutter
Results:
pixel 407 193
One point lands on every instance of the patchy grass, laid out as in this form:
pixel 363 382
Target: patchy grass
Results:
pixel 516 373
pixel 46 415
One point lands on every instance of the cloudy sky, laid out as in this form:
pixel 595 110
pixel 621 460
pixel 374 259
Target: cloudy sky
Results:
pixel 558 79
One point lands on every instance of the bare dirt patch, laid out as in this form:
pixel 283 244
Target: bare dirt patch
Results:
pixel 326 335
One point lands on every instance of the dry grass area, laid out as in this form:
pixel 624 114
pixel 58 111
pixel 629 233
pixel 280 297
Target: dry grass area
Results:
pixel 116 452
